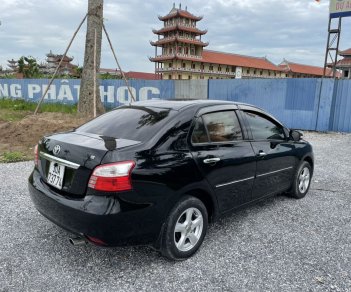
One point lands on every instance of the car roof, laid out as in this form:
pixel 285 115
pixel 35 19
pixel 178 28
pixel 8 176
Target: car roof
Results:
pixel 182 104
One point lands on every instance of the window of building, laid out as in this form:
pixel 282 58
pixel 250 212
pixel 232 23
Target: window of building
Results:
pixel 261 73
pixel 186 49
pixel 192 51
pixel 193 66
pixel 183 65
pixel 179 50
pixel 346 73
pixel 169 76
pixel 189 77
pixel 248 71
pixel 170 65
pixel 227 69
pixel 219 68
pixel 255 72
pixel 269 73
pixel 202 66
pixel 275 74
pixel 179 76
pixel 211 68
pixel 171 50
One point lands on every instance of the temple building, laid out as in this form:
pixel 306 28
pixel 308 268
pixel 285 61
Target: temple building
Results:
pixel 66 68
pixel 12 64
pixel 344 65
pixel 296 70
pixel 180 54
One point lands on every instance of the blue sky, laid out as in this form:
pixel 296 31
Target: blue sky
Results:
pixel 291 29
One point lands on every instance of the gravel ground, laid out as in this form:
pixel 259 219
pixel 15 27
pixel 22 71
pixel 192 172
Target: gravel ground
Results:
pixel 280 244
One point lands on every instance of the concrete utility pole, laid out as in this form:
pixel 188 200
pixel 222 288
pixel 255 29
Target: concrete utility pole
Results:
pixel 87 105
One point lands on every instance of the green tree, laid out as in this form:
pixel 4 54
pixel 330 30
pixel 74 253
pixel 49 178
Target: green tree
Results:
pixel 28 66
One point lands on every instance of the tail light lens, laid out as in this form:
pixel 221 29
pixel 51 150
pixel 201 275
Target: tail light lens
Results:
pixel 114 177
pixel 36 156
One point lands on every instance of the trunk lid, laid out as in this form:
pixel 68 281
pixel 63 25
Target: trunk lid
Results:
pixel 76 154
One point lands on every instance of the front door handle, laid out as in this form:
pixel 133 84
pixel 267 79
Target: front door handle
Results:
pixel 211 160
pixel 261 153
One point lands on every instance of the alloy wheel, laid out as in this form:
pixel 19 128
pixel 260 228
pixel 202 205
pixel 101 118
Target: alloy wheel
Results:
pixel 188 229
pixel 304 180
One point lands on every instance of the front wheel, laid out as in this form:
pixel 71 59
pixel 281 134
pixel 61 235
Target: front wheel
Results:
pixel 185 229
pixel 302 181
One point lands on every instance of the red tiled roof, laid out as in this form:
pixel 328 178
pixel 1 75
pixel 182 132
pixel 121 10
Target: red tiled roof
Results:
pixel 142 75
pixel 304 69
pixel 344 63
pixel 345 53
pixel 179 12
pixel 179 27
pixel 237 60
pixel 301 68
pixel 178 39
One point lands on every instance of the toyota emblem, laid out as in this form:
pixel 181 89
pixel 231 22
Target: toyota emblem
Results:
pixel 56 149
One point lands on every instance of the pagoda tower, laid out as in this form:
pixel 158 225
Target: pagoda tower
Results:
pixel 181 45
pixel 13 64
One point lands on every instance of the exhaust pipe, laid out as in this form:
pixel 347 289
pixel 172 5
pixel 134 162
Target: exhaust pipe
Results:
pixel 78 241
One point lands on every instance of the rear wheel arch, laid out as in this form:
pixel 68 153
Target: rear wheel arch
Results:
pixel 309 160
pixel 207 200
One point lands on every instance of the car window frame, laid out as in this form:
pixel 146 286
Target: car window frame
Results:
pixel 265 116
pixel 201 113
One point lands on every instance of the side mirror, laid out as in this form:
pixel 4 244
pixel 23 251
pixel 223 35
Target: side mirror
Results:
pixel 295 135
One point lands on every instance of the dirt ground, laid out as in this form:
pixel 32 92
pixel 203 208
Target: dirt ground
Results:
pixel 21 136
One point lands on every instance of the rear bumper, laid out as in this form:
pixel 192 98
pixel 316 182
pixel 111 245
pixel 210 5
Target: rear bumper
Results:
pixel 106 218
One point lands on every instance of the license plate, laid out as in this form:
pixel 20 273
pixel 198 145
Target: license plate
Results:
pixel 55 175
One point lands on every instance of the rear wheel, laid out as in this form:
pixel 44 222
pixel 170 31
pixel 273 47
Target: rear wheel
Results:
pixel 302 181
pixel 185 229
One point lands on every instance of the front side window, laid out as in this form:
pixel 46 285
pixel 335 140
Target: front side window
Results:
pixel 263 128
pixel 217 127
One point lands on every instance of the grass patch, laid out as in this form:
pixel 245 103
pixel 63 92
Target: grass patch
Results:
pixel 15 156
pixel 23 105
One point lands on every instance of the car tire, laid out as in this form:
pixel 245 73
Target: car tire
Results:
pixel 185 229
pixel 302 181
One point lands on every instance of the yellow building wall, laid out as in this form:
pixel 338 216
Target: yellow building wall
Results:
pixel 180 69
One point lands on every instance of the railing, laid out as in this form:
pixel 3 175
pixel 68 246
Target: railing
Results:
pixel 200 71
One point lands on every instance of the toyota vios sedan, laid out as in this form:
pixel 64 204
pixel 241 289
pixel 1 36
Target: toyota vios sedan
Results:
pixel 157 172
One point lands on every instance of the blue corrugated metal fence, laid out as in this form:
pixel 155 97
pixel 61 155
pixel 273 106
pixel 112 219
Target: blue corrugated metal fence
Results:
pixel 308 104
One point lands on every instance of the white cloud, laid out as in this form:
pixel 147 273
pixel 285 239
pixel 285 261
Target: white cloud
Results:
pixel 291 29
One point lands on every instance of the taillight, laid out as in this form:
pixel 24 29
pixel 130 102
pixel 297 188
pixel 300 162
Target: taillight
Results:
pixel 36 155
pixel 114 177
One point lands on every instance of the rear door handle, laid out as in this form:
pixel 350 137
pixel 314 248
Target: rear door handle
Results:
pixel 261 153
pixel 211 160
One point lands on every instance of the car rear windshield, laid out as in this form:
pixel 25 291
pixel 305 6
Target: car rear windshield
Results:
pixel 132 123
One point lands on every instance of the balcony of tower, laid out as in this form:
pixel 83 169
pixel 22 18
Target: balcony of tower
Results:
pixel 179 56
pixel 179 27
pixel 180 39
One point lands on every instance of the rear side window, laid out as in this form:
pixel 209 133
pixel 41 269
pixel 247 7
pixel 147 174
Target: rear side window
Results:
pixel 217 127
pixel 133 123
pixel 199 133
pixel 263 128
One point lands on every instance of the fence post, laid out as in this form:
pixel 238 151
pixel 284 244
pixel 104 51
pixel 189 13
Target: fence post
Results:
pixel 333 105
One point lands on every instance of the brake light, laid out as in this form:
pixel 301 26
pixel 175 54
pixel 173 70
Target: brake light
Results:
pixel 114 177
pixel 36 155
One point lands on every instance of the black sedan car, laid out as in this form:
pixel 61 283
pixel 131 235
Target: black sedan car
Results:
pixel 159 171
